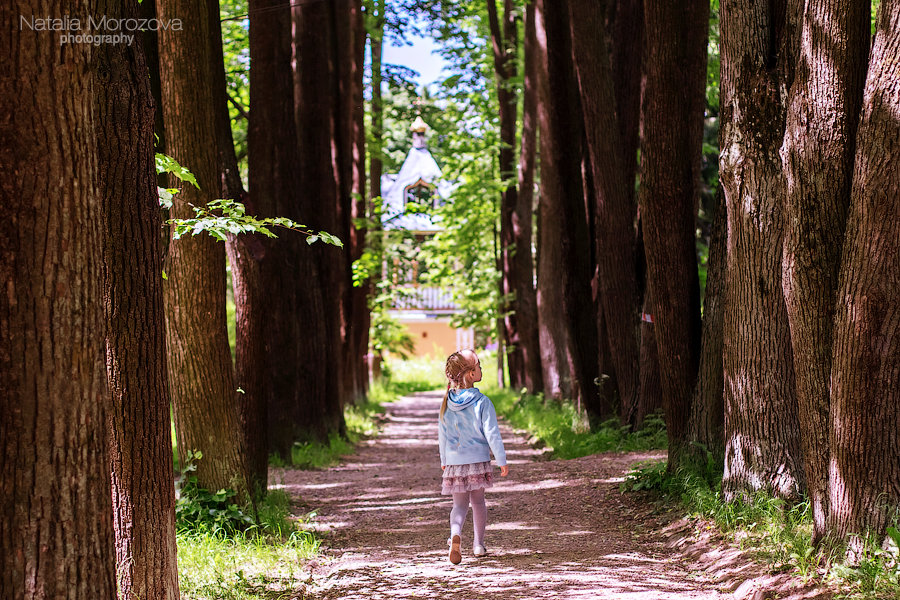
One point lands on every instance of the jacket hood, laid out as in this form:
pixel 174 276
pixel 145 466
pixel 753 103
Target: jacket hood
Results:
pixel 462 399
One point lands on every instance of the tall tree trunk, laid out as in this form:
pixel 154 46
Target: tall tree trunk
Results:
pixel 761 426
pixel 338 264
pixel 375 27
pixel 526 300
pixel 817 155
pixel 140 439
pixel 376 23
pixel 250 373
pixel 325 167
pixel 504 42
pixel 56 525
pixel 625 30
pixel 864 477
pixel 201 376
pixel 552 329
pixel 673 102
pixel 287 310
pixel 707 408
pixel 562 142
pixel 614 209
pixel 360 316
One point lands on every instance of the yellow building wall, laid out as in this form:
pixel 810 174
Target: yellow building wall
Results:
pixel 433 338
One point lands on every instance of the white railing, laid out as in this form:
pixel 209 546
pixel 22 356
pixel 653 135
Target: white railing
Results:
pixel 413 297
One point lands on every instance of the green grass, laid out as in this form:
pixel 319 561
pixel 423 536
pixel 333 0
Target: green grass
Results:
pixel 560 426
pixel 264 562
pixel 417 374
pixel 361 420
pixel 780 532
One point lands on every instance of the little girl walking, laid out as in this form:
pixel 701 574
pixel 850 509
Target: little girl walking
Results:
pixel 467 433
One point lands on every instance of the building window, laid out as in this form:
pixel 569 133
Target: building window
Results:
pixel 422 194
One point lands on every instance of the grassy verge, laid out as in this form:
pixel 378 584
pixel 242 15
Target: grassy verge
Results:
pixel 780 532
pixel 263 561
pixel 561 427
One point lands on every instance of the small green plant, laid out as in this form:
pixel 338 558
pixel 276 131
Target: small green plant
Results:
pixel 198 509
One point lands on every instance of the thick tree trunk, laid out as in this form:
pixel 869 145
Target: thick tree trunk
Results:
pixel 552 329
pixel 56 525
pixel 344 68
pixel 286 308
pixel 504 41
pixel 201 375
pixel 761 426
pixel 707 408
pixel 526 300
pixel 561 144
pixel 625 30
pixel 864 477
pixel 360 316
pixel 614 208
pixel 563 141
pixel 817 155
pixel 250 371
pixel 140 439
pixel 324 132
pixel 673 102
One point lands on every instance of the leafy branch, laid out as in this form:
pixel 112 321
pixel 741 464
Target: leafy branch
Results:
pixel 223 216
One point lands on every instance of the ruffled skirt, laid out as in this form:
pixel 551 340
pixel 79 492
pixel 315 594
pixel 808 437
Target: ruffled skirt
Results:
pixel 465 478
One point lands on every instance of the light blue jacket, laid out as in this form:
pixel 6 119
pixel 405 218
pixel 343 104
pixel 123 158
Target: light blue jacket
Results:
pixel 469 431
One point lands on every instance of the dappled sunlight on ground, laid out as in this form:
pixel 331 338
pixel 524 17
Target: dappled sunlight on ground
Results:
pixel 556 529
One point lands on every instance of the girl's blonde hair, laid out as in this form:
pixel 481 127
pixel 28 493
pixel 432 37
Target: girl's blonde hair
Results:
pixel 457 370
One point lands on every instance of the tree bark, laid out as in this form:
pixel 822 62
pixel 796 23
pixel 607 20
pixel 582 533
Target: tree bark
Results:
pixel 526 300
pixel 673 102
pixel 761 426
pixel 56 525
pixel 504 42
pixel 324 168
pixel 139 426
pixel 614 209
pixel 552 329
pixel 293 377
pixel 201 376
pixel 249 353
pixel 817 157
pixel 707 408
pixel 360 316
pixel 864 477
pixel 650 396
pixel 562 142
pixel 344 66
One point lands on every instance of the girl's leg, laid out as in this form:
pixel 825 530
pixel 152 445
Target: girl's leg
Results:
pixel 479 516
pixel 458 514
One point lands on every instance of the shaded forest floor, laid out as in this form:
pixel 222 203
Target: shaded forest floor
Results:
pixel 556 529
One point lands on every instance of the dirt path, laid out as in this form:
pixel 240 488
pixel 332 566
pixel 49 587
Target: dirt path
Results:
pixel 556 529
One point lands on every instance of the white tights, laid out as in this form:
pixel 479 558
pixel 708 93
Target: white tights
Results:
pixel 461 503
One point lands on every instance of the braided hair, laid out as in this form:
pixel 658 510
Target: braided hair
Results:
pixel 458 369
